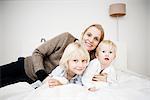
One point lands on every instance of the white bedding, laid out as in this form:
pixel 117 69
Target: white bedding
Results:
pixel 130 86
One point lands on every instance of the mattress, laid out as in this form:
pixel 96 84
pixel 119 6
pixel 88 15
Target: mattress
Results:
pixel 129 86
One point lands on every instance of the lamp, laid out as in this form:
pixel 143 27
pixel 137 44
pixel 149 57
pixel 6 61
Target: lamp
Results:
pixel 117 10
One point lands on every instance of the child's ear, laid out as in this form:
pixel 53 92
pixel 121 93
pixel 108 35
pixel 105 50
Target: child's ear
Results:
pixel 96 55
pixel 115 56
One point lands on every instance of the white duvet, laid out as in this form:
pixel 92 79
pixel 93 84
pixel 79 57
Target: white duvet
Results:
pixel 129 87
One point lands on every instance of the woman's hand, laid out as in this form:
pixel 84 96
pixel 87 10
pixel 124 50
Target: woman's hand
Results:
pixel 53 82
pixel 100 77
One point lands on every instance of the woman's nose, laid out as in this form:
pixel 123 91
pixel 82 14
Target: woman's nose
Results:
pixel 91 39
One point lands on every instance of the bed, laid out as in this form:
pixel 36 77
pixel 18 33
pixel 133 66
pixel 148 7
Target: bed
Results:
pixel 129 86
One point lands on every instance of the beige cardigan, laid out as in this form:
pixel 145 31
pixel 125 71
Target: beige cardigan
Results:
pixel 47 56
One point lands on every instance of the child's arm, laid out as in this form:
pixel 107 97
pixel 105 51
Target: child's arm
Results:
pixel 60 80
pixel 56 78
pixel 89 73
pixel 112 76
pixel 108 75
pixel 100 77
pixel 92 89
pixel 57 71
pixel 54 82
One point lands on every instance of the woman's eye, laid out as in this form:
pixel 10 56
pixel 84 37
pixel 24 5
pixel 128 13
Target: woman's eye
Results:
pixel 96 38
pixel 88 34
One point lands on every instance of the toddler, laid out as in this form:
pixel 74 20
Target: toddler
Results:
pixel 100 73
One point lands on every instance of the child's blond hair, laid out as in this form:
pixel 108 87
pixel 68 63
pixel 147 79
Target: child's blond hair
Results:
pixel 71 50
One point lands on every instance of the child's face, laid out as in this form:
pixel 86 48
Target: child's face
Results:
pixel 77 64
pixel 106 54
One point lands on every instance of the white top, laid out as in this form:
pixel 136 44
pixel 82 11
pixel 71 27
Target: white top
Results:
pixel 94 68
pixel 59 73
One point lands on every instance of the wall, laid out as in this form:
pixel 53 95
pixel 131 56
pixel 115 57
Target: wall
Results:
pixel 1 35
pixel 137 35
pixel 148 37
pixel 25 22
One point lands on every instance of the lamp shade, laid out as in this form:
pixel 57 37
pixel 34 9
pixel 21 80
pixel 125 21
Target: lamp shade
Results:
pixel 117 9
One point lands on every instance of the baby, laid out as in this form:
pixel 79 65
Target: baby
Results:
pixel 100 73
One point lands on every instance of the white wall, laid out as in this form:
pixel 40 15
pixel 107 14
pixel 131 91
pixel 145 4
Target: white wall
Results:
pixel 137 33
pixel 25 22
pixel 1 33
pixel 148 37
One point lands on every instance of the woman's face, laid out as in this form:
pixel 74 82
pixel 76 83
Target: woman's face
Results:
pixel 91 38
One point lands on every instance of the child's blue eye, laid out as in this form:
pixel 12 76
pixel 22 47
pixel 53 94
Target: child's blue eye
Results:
pixel 103 51
pixel 110 52
pixel 75 60
pixel 84 61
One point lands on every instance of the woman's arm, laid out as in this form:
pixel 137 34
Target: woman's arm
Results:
pixel 46 49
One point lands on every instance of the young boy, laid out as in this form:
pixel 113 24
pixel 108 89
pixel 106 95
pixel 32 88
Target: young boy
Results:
pixel 100 73
pixel 71 67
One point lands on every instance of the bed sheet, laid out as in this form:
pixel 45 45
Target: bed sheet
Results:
pixel 129 87
pixel 15 91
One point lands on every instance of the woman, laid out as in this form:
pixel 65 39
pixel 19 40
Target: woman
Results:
pixel 46 57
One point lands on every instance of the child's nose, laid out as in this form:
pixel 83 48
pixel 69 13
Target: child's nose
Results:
pixel 80 64
pixel 107 54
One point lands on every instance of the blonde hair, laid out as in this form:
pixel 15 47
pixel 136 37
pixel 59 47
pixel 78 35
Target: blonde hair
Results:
pixel 71 50
pixel 106 42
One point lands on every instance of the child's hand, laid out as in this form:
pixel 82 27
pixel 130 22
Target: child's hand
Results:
pixel 100 77
pixel 53 82
pixel 92 89
pixel 45 81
